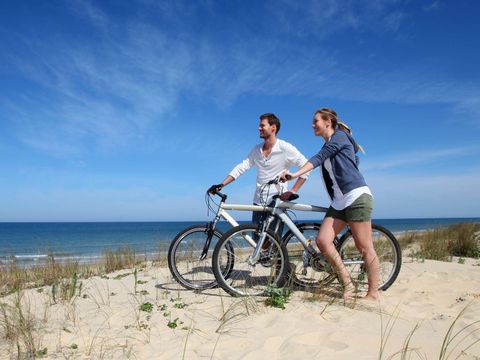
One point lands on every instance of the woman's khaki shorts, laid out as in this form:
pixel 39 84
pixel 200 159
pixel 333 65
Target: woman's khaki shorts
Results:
pixel 359 211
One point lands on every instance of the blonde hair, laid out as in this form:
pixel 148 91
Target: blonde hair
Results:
pixel 330 114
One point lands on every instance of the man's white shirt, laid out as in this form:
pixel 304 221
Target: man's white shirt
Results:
pixel 282 157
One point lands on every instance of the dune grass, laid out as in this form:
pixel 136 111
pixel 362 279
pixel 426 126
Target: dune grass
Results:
pixel 65 275
pixel 461 240
pixel 459 338
pixel 19 327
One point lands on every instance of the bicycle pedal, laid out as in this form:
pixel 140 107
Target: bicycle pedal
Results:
pixel 265 259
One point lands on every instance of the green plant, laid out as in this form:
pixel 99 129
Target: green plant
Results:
pixel 147 307
pixel 121 276
pixel 43 352
pixel 54 292
pixel 277 297
pixel 135 281
pixel 172 324
pixel 180 305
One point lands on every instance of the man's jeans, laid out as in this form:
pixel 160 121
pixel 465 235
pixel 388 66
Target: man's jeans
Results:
pixel 259 216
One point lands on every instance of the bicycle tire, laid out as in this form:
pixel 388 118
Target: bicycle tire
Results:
pixel 306 271
pixel 388 252
pixel 184 260
pixel 245 279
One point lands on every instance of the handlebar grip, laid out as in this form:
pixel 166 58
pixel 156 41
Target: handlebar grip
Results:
pixel 215 188
pixel 293 197
pixel 290 198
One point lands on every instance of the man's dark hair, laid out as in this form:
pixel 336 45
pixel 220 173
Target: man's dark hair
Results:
pixel 272 120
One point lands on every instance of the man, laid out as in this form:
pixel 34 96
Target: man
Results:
pixel 272 158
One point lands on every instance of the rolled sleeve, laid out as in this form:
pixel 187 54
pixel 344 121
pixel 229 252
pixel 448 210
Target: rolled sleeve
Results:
pixel 296 158
pixel 243 166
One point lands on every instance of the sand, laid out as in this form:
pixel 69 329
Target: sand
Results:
pixel 104 321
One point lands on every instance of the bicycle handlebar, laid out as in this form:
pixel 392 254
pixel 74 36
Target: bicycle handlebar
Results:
pixel 215 190
pixel 274 181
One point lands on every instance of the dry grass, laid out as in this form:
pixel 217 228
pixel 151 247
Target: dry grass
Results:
pixel 461 240
pixel 63 276
pixel 456 342
pixel 18 327
pixel 119 259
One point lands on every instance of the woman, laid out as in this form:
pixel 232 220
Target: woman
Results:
pixel 351 199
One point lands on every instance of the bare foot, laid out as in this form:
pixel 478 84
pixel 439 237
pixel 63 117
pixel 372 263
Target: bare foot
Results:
pixel 348 292
pixel 372 296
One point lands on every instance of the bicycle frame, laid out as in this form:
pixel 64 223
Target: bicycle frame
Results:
pixel 222 213
pixel 276 210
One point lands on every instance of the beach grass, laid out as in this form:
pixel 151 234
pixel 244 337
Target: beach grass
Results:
pixel 460 240
pixel 14 277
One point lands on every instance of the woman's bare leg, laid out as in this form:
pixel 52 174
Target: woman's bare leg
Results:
pixel 362 235
pixel 329 229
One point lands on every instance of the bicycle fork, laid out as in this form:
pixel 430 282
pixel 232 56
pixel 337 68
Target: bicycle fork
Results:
pixel 210 230
pixel 255 257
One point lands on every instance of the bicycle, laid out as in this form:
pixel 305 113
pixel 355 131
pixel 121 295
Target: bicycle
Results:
pixel 190 252
pixel 255 267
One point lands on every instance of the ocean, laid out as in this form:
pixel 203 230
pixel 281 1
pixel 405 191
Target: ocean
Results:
pixel 30 242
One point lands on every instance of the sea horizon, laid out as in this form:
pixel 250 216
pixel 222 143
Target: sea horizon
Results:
pixel 29 242
pixel 197 221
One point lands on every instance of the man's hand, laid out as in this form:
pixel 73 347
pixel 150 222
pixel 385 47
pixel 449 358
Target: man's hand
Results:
pixel 286 176
pixel 215 188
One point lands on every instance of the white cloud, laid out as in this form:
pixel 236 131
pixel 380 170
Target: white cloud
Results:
pixel 409 158
pixel 433 6
pixel 110 92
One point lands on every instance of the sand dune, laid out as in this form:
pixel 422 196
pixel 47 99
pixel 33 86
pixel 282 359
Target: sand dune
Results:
pixel 105 320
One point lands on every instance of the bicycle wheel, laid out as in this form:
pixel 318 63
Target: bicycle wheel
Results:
pixel 184 258
pixel 246 279
pixel 306 270
pixel 388 252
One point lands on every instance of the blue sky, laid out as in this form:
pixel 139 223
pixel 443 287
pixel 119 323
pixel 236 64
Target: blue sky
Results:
pixel 129 110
